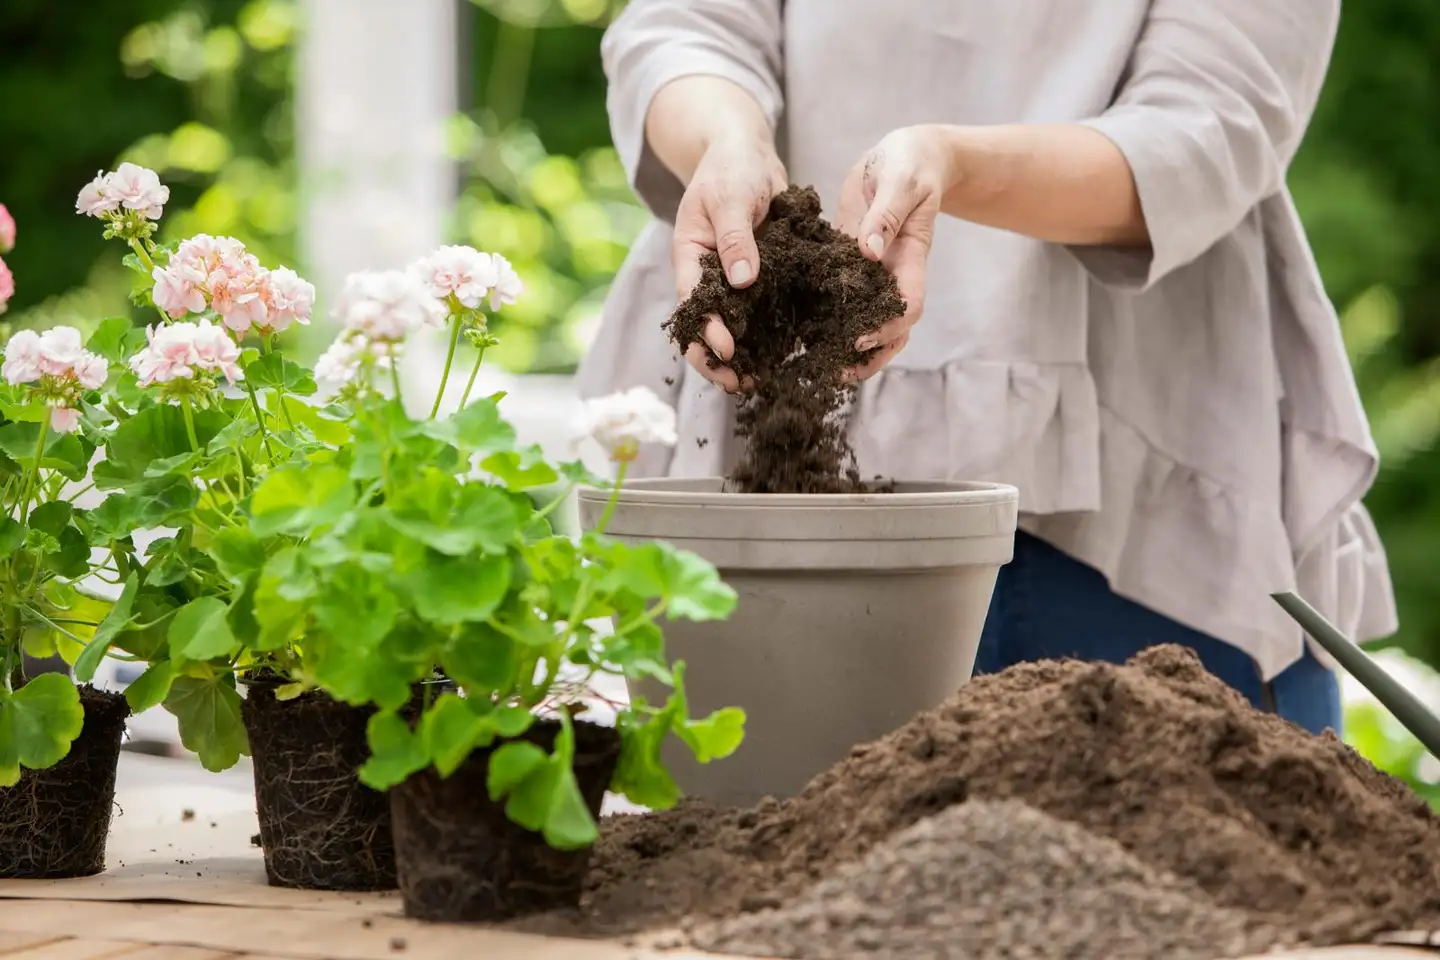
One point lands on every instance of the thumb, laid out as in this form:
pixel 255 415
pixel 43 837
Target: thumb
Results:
pixel 896 198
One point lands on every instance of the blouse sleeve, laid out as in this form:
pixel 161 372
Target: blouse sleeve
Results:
pixel 653 42
pixel 1216 99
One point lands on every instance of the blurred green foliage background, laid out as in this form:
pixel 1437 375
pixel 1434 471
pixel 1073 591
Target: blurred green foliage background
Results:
pixel 201 91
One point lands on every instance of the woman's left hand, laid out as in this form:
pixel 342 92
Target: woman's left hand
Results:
pixel 889 203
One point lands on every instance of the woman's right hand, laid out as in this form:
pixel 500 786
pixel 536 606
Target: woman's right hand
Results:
pixel 727 198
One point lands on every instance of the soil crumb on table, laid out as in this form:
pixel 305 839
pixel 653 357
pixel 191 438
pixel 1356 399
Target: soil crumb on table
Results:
pixel 995 879
pixel 795 330
pixel 1297 832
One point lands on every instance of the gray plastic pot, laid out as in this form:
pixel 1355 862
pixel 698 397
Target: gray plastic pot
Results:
pixel 856 612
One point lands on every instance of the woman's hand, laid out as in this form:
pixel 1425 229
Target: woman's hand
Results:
pixel 889 202
pixel 725 201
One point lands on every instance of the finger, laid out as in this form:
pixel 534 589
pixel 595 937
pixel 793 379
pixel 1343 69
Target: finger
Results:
pixel 877 361
pixel 717 337
pixel 852 203
pixel 722 376
pixel 685 256
pixel 896 197
pixel 734 227
pixel 892 330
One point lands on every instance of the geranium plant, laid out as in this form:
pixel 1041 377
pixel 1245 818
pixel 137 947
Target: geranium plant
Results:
pixel 416 549
pixel 202 405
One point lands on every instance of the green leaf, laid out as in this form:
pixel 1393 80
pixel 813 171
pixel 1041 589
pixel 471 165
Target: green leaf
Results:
pixel 580 475
pixel 155 433
pixel 481 517
pixel 479 657
pixel 694 588
pixel 357 607
pixel 544 797
pixel 297 500
pixel 454 726
pixel 238 553
pixel 170 562
pixel 273 372
pixel 236 432
pixel 38 723
pixel 520 470
pixel 72 560
pixel 51 517
pixel 208 713
pixel 396 752
pixel 115 621
pixel 65 453
pixel 511 765
pixel 568 824
pixel 717 736
pixel 144 504
pixel 151 687
pixel 449 590
pixel 201 631
pixel 478 428
pixel 117 339
pixel 12 535
pixel 329 431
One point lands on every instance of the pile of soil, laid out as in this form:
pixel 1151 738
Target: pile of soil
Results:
pixel 1297 832
pixel 995 879
pixel 795 330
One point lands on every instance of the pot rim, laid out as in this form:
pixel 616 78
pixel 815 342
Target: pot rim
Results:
pixel 709 491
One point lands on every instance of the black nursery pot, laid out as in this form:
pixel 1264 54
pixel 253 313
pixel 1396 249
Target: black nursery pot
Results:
pixel 54 823
pixel 462 860
pixel 320 827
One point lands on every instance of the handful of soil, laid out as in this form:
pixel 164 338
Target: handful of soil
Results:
pixel 795 330
pixel 1298 833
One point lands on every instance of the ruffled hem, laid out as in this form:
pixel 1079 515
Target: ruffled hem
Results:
pixel 1203 554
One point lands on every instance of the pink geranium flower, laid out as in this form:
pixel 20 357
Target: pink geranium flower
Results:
pixel 7 230
pixel 181 351
pixel 64 419
pixel 288 298
pixel 7 285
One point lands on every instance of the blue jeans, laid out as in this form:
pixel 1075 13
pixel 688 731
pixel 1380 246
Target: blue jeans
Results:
pixel 1048 606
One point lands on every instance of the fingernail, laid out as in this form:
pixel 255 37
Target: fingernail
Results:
pixel 740 273
pixel 876 243
pixel 866 343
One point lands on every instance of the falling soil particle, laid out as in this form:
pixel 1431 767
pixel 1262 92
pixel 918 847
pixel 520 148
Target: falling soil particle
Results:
pixel 795 330
pixel 187 815
pixel 398 943
pixel 994 879
pixel 1297 832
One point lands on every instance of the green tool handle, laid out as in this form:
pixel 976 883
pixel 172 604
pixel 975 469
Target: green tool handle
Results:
pixel 1404 705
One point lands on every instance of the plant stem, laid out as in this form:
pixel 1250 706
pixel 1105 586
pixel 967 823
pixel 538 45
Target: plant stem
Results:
pixel 189 414
pixel 614 497
pixel 260 422
pixel 449 361
pixel 474 372
pixel 34 472
pixel 395 379
pixel 139 249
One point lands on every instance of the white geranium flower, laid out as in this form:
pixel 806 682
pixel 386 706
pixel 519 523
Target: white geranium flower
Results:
pixel 463 271
pixel 621 422
pixel 387 306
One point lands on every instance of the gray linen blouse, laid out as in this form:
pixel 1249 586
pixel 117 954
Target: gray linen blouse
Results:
pixel 1182 418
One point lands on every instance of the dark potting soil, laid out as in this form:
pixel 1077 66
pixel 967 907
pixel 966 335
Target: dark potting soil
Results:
pixel 320 827
pixel 462 859
pixel 1297 832
pixel 795 330
pixel 54 822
